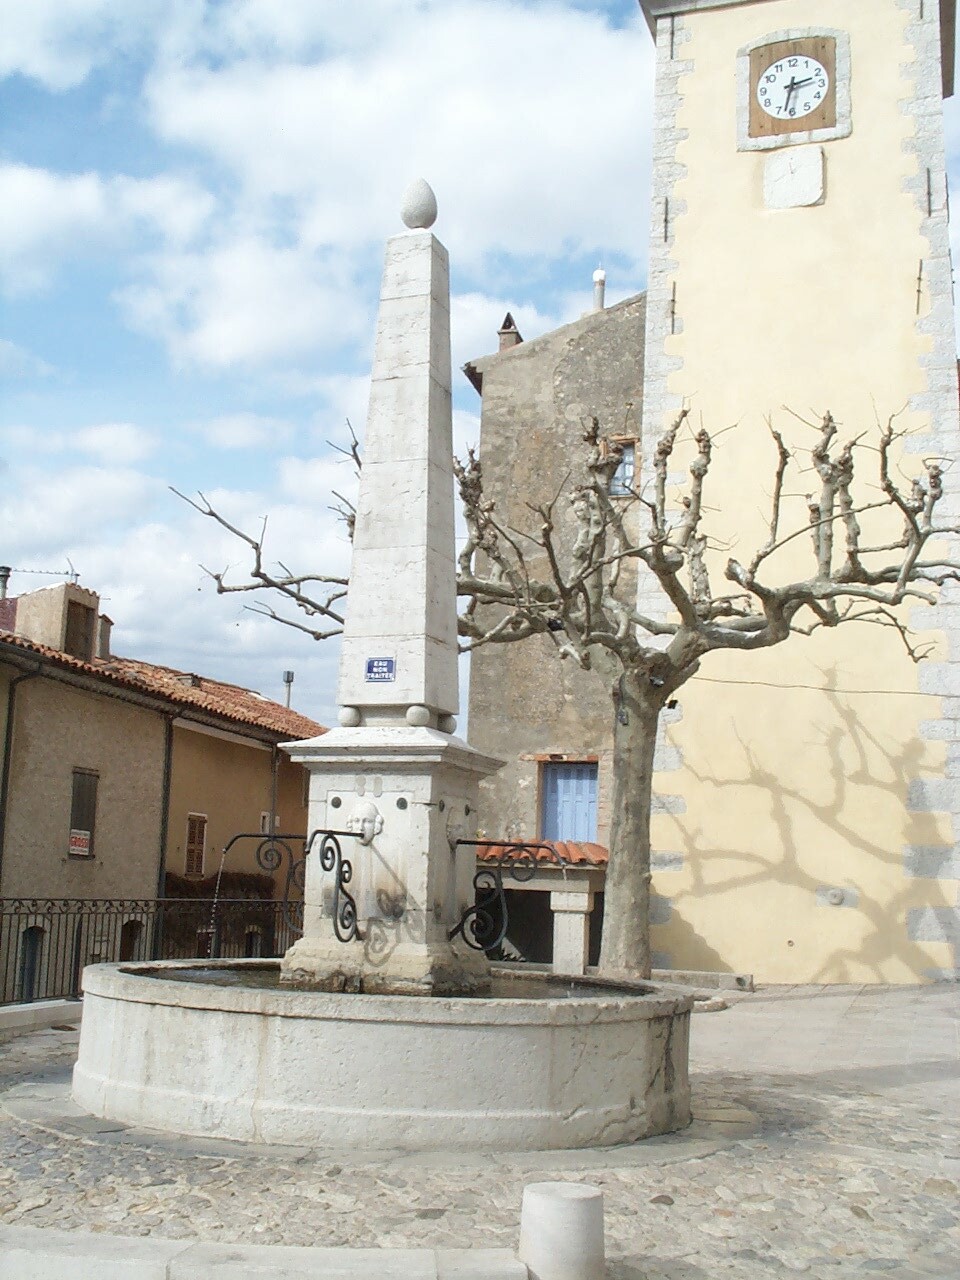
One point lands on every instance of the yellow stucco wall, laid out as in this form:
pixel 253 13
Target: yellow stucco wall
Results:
pixel 230 783
pixel 785 789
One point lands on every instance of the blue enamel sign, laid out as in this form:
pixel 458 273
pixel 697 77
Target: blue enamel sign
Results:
pixel 381 669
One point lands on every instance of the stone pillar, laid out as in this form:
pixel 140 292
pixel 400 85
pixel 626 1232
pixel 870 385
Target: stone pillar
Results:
pixel 571 928
pixel 392 780
pixel 402 606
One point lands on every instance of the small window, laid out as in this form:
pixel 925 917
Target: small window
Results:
pixel 83 813
pixel 81 624
pixel 196 845
pixel 569 800
pixel 621 483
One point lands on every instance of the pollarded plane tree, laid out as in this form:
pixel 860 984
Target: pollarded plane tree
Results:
pixel 565 578
pixel 581 598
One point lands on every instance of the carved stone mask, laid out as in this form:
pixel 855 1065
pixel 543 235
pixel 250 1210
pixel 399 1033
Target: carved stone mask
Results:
pixel 365 822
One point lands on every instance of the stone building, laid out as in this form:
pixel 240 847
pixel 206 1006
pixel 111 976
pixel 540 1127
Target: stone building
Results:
pixel 806 814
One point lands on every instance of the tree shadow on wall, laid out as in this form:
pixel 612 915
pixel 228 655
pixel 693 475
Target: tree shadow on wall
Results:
pixel 783 864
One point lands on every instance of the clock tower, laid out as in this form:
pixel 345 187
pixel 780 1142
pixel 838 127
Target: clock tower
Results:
pixel 800 263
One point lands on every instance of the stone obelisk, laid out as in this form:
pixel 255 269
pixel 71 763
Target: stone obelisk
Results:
pixel 393 774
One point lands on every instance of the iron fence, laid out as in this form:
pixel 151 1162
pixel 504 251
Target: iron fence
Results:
pixel 46 942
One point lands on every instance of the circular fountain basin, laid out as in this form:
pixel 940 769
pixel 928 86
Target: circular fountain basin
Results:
pixel 227 1054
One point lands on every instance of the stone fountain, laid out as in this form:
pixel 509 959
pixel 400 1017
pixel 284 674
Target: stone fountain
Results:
pixel 381 1029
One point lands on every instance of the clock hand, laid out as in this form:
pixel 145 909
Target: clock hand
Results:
pixel 793 87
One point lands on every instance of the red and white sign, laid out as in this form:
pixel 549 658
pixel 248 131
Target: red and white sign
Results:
pixel 79 844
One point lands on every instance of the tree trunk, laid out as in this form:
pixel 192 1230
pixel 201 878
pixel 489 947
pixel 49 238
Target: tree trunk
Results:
pixel 625 949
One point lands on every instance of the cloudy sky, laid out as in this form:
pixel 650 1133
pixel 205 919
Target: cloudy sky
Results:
pixel 194 196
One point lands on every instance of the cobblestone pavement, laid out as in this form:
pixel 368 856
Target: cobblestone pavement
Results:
pixel 827 1143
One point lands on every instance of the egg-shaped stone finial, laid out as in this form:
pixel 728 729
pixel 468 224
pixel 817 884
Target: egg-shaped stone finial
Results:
pixel 419 207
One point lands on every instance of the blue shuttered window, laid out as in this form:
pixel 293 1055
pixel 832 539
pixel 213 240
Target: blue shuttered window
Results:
pixel 569 801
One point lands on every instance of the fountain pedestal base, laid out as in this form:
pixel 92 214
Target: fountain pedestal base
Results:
pixel 380 918
pixel 314 964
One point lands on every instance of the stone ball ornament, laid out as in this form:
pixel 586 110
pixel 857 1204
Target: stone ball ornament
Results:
pixel 349 717
pixel 419 207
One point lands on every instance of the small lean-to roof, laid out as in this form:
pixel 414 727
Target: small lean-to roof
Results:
pixel 575 853
pixel 654 9
pixel 190 696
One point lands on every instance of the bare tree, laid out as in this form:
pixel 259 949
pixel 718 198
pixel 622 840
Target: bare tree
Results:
pixel 581 599
pixel 573 590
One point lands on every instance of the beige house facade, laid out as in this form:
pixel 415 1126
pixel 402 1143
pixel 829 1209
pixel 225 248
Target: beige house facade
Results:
pixel 806 809
pixel 124 780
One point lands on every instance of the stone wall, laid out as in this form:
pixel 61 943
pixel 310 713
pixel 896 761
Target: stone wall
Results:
pixel 59 729
pixel 525 703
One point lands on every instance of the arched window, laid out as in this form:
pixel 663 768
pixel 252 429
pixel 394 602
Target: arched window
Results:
pixel 31 953
pixel 130 936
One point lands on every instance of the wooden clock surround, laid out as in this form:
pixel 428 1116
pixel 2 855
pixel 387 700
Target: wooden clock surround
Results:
pixel 821 48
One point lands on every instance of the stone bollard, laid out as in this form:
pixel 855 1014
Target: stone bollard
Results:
pixel 561 1231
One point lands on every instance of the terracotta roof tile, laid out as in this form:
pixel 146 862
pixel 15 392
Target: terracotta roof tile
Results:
pixel 184 689
pixel 577 853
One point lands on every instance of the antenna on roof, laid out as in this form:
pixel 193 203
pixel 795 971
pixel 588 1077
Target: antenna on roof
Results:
pixel 70 573
pixel 288 681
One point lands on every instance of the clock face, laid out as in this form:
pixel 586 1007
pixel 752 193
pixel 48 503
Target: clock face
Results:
pixel 792 88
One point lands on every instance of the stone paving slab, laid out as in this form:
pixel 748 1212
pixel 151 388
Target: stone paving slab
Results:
pixel 28 1253
pixel 827 1145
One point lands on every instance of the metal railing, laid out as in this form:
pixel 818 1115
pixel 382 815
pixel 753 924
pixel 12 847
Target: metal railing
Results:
pixel 46 942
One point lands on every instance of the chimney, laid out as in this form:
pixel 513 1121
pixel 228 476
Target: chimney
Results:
pixel 599 289
pixel 103 637
pixel 509 333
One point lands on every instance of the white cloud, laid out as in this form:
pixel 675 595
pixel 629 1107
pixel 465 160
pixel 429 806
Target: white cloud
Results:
pixel 118 443
pixel 178 209
pixel 43 217
pixel 113 444
pixel 318 114
pixel 244 431
pixel 18 362
pixel 244 301
pixel 47 218
pixel 435 93
pixel 47 513
pixel 58 42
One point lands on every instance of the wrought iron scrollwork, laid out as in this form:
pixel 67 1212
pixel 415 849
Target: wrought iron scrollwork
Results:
pixel 345 918
pixel 273 850
pixel 484 925
pixel 270 854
